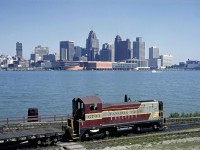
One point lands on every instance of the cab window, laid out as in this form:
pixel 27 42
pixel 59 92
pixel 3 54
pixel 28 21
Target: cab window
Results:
pixel 93 107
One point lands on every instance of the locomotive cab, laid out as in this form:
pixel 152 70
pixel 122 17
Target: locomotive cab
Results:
pixel 86 113
pixel 78 109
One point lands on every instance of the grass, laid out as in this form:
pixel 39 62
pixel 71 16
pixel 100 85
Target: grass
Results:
pixel 170 146
pixel 144 140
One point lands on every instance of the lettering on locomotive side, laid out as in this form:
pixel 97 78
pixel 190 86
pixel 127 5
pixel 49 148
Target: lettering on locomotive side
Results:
pixel 120 113
pixel 93 116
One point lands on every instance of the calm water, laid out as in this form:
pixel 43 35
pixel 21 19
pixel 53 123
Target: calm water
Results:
pixel 52 91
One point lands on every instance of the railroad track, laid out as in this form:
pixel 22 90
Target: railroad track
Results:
pixel 174 125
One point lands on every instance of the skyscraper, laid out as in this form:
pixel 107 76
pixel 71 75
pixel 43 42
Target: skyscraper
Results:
pixel 39 52
pixel 63 50
pixel 107 52
pixel 139 49
pixel 153 52
pixel 19 50
pixel 154 58
pixel 92 46
pixel 67 50
pixel 70 50
pixel 122 49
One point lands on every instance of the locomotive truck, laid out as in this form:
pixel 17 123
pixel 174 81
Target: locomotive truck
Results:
pixel 90 117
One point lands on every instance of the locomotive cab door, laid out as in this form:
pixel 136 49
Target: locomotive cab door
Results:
pixel 78 114
pixel 161 109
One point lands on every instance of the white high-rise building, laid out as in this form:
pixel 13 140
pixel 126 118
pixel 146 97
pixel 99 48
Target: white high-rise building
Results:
pixel 39 52
pixel 166 60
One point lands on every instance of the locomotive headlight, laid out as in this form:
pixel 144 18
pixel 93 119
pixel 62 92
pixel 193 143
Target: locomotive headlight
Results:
pixel 1 141
pixel 23 138
pixel 33 137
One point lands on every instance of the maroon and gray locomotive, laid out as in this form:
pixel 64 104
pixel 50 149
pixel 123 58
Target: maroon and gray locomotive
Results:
pixel 91 117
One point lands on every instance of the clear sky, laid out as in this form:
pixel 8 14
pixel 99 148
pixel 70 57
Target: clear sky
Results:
pixel 171 25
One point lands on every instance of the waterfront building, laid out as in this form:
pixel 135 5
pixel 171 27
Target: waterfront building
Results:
pixel 19 50
pixel 23 64
pixel 39 52
pixel 139 50
pixel 153 52
pixel 166 60
pixel 124 66
pixel 92 46
pixel 122 49
pixel 193 64
pixel 107 52
pixel 6 61
pixel 155 63
pixel 49 57
pixel 99 65
pixel 67 50
pixel 138 62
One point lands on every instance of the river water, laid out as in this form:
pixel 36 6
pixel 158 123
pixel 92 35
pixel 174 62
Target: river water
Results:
pixel 52 91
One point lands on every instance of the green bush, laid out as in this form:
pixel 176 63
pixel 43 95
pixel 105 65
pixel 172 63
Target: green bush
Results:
pixel 184 115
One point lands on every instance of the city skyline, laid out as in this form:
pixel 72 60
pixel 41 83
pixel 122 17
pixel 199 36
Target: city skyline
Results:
pixel 169 25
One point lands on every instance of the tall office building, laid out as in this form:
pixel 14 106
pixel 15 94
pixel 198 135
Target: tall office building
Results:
pixel 19 50
pixel 39 52
pixel 139 49
pixel 63 50
pixel 107 52
pixel 70 50
pixel 122 49
pixel 67 50
pixel 154 58
pixel 153 52
pixel 92 46
pixel 166 60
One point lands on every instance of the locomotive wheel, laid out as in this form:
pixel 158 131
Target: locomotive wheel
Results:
pixel 137 129
pixel 155 127
pixel 85 137
pixel 104 134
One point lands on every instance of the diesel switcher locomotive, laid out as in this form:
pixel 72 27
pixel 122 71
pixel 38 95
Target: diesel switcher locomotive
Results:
pixel 91 117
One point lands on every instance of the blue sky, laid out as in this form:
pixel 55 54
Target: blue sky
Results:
pixel 171 25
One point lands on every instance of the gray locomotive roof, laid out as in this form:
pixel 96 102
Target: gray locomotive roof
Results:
pixel 89 99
